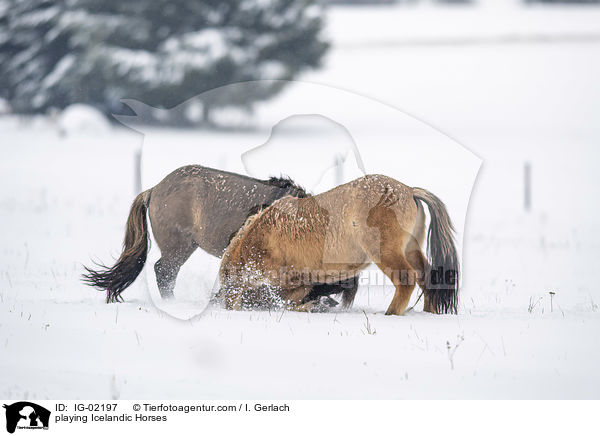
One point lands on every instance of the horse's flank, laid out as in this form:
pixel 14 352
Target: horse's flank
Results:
pixel 338 233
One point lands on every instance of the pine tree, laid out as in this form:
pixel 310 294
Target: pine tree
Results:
pixel 162 52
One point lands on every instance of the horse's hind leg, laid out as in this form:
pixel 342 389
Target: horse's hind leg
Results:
pixel 391 260
pixel 166 274
pixel 388 255
pixel 168 266
pixel 403 276
pixel 417 260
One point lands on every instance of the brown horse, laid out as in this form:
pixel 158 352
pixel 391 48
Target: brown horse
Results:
pixel 192 207
pixel 280 253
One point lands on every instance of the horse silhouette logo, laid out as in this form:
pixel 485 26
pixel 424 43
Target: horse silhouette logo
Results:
pixel 26 415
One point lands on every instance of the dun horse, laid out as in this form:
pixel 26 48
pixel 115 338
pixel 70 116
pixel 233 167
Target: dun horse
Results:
pixel 279 253
pixel 192 207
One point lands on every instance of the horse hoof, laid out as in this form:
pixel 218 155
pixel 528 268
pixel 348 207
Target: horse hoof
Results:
pixel 329 302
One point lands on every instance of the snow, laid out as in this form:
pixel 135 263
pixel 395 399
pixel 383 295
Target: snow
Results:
pixel 140 63
pixel 58 72
pixel 486 22
pixel 202 49
pixel 66 200
pixel 83 119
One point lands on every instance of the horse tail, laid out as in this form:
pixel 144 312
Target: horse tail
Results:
pixel 117 278
pixel 442 279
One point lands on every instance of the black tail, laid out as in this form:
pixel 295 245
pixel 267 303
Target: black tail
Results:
pixel 442 279
pixel 135 249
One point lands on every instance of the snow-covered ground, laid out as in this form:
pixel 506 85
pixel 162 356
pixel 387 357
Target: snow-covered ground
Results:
pixel 65 200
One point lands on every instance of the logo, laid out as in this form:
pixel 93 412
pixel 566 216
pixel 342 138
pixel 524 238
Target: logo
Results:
pixel 26 415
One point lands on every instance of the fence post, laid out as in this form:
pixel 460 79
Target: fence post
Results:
pixel 137 171
pixel 527 181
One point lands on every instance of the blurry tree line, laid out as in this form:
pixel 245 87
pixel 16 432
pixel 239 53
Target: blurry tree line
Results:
pixel 57 52
pixel 563 1
pixel 464 2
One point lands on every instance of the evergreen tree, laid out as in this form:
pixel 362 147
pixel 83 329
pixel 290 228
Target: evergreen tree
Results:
pixel 162 52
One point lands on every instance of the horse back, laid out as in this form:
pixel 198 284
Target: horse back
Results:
pixel 205 205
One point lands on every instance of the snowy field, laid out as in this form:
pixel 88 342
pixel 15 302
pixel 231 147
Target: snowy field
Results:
pixel 508 100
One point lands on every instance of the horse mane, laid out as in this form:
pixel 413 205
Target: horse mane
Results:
pixel 291 187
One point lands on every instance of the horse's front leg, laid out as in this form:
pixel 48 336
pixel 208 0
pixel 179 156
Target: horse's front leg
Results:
pixel 294 298
pixel 296 301
pixel 232 297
